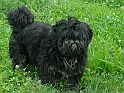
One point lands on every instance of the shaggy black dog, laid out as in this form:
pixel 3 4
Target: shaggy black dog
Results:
pixel 58 51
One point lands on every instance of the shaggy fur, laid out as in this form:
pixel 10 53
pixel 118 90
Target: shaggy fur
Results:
pixel 26 36
pixel 58 51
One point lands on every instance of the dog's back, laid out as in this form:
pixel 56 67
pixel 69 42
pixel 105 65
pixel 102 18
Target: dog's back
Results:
pixel 31 36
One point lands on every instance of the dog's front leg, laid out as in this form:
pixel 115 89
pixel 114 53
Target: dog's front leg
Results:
pixel 46 75
pixel 72 83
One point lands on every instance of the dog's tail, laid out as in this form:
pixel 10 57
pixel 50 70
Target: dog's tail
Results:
pixel 20 18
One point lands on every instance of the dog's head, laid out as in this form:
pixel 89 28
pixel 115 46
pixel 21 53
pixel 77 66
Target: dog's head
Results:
pixel 20 17
pixel 72 37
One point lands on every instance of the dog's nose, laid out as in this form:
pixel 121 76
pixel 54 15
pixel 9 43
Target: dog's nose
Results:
pixel 74 47
pixel 72 41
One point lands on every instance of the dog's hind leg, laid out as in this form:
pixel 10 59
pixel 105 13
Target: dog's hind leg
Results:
pixel 17 53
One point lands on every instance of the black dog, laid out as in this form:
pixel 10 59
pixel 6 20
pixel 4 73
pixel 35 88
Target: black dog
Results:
pixel 58 51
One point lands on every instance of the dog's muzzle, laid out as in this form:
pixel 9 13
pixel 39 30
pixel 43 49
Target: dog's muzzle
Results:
pixel 71 47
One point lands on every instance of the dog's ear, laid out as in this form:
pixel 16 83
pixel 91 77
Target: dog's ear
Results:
pixel 60 25
pixel 88 31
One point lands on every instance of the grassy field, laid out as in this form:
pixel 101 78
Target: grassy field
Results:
pixel 105 70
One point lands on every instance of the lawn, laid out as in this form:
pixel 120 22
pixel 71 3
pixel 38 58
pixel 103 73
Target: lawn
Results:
pixel 105 70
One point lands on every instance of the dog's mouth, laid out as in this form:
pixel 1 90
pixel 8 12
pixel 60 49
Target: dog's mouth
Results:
pixel 71 48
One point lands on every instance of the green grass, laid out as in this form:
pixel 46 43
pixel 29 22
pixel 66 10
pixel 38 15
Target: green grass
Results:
pixel 105 70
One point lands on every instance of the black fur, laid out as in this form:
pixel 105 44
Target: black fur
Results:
pixel 26 36
pixel 59 51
